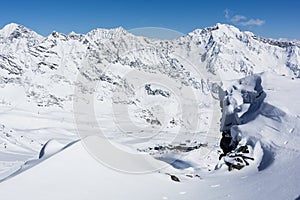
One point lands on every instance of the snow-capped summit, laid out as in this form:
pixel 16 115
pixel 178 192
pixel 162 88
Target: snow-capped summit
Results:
pixel 217 28
pixel 226 48
pixel 15 31
pixel 8 29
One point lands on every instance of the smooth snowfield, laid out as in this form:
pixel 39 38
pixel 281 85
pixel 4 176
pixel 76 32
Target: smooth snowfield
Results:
pixel 74 174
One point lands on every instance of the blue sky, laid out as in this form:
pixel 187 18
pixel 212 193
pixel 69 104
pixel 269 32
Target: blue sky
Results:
pixel 273 18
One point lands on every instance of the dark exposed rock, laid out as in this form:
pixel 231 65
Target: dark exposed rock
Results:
pixel 156 91
pixel 174 178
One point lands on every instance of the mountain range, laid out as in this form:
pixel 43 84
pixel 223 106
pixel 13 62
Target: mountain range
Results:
pixel 170 99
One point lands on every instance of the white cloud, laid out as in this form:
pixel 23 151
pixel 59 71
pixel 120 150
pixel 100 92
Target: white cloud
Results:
pixel 238 18
pixel 242 20
pixel 251 22
pixel 227 16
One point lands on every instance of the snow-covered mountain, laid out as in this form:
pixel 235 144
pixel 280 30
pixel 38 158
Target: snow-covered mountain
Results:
pixel 159 97
pixel 220 51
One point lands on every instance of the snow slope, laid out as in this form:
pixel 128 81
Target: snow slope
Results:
pixel 150 97
pixel 75 174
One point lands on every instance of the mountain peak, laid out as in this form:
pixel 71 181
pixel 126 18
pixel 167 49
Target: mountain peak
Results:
pixel 218 26
pixel 107 33
pixel 14 31
pixel 10 28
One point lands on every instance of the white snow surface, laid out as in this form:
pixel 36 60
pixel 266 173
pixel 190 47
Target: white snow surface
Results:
pixel 41 79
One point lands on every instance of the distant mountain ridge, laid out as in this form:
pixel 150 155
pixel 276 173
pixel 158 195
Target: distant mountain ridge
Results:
pixel 220 52
pixel 220 47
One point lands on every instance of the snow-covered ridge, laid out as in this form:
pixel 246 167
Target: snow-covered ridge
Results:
pixel 280 43
pixel 220 48
pixel 42 78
